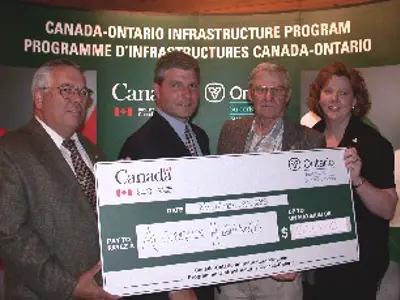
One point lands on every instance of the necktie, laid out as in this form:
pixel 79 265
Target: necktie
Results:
pixel 83 173
pixel 189 141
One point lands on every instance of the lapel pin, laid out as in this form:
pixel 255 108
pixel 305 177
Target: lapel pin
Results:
pixel 354 140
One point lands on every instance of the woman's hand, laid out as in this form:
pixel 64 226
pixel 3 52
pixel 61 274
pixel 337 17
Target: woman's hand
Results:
pixel 381 202
pixel 353 163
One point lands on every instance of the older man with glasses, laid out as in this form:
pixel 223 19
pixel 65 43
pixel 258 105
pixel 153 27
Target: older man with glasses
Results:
pixel 269 91
pixel 48 223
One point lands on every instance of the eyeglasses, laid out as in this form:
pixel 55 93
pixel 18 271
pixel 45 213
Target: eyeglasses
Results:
pixel 275 91
pixel 67 91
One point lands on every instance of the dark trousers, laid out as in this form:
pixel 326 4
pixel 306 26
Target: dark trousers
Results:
pixel 347 282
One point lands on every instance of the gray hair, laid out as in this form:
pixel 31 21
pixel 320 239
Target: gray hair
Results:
pixel 270 68
pixel 41 77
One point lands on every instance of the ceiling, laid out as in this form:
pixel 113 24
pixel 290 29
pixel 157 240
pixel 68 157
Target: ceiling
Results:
pixel 202 6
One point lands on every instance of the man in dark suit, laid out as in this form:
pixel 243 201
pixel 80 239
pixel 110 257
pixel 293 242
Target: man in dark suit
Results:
pixel 269 91
pixel 169 132
pixel 48 228
pixel 176 93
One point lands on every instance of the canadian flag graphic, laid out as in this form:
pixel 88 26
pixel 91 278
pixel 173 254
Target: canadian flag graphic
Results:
pixel 122 192
pixel 127 112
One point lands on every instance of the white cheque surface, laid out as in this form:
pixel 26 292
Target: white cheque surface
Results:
pixel 206 234
pixel 173 223
pixel 208 176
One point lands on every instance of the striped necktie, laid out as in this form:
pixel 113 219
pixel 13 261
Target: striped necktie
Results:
pixel 189 141
pixel 83 173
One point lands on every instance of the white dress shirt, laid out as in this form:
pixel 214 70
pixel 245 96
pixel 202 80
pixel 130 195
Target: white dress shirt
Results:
pixel 57 139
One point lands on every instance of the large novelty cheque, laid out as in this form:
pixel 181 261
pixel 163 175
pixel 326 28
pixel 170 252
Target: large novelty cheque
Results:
pixel 169 224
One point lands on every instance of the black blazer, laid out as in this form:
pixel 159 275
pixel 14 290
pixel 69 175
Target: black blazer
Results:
pixel 157 139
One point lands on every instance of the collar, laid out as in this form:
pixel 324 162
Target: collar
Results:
pixel 177 125
pixel 350 136
pixel 276 128
pixel 57 139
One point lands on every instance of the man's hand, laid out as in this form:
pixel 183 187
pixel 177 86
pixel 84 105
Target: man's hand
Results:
pixel 285 277
pixel 88 289
pixel 187 294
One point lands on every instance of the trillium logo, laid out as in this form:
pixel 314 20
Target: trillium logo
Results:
pixel 214 92
pixel 294 164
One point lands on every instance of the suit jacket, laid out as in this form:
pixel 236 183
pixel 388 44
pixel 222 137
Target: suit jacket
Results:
pixel 48 230
pixel 234 133
pixel 157 139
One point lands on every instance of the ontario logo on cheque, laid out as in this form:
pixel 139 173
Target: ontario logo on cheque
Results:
pixel 310 164
pixel 314 169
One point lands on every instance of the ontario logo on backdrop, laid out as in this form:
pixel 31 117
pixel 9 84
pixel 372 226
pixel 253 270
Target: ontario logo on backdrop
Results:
pixel 215 92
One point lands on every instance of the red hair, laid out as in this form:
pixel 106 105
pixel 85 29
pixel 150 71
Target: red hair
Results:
pixel 357 82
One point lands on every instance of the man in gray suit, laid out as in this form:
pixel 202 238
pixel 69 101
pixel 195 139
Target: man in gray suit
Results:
pixel 269 91
pixel 48 228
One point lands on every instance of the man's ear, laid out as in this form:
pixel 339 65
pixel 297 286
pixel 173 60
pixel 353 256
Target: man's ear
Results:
pixel 156 89
pixel 38 98
pixel 249 95
pixel 287 100
pixel 89 102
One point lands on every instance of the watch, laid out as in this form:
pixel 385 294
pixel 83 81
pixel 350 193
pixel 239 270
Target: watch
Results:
pixel 360 183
